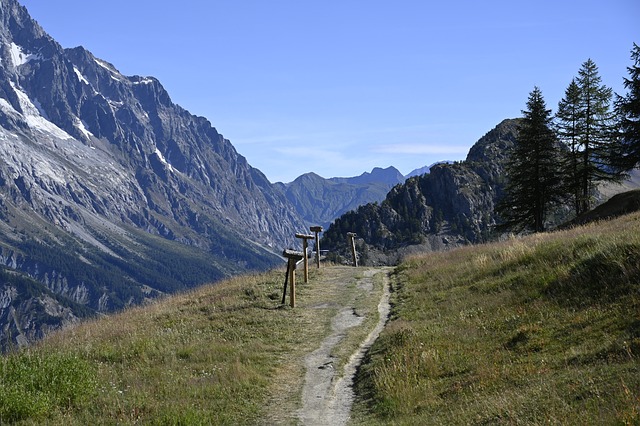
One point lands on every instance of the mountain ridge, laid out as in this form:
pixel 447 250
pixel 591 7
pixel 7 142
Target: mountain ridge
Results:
pixel 111 194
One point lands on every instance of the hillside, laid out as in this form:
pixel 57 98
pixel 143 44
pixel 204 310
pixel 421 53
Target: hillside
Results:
pixel 543 329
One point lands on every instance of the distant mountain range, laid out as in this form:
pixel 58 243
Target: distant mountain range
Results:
pixel 319 201
pixel 451 205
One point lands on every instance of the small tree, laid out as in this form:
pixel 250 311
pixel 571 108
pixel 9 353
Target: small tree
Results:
pixel 533 180
pixel 628 111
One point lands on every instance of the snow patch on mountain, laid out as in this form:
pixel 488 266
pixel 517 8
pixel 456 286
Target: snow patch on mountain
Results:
pixel 19 56
pixel 163 160
pixel 33 117
pixel 145 80
pixel 80 76
pixel 83 128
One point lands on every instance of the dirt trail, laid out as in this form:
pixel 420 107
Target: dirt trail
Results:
pixel 327 395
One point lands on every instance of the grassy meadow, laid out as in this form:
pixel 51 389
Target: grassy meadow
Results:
pixel 537 330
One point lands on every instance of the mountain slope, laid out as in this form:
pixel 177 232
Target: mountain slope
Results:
pixel 534 330
pixel 109 192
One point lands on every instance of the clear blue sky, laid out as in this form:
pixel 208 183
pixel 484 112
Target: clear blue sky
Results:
pixel 340 87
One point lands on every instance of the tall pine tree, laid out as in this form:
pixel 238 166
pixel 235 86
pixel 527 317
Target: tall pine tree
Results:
pixel 569 119
pixel 586 124
pixel 628 110
pixel 533 180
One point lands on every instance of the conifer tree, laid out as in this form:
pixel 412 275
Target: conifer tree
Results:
pixel 568 130
pixel 628 109
pixel 586 124
pixel 533 181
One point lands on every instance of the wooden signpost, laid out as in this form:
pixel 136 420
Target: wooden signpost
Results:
pixel 293 257
pixel 317 230
pixel 305 238
pixel 351 237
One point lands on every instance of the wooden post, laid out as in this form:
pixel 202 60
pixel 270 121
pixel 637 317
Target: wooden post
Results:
pixel 305 238
pixel 317 230
pixel 292 279
pixel 286 280
pixel 293 258
pixel 351 236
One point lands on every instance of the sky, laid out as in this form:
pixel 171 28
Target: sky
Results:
pixel 340 87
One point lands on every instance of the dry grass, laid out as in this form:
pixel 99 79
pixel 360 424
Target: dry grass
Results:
pixel 544 329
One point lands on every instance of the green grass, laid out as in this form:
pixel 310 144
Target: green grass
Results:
pixel 544 329
pixel 31 386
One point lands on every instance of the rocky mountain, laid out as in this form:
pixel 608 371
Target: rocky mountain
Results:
pixel 451 205
pixel 319 201
pixel 110 193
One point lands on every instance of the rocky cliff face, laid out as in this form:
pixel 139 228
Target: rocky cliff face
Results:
pixel 453 204
pixel 109 192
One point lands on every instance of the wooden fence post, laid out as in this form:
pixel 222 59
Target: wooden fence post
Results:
pixel 305 238
pixel 351 236
pixel 317 230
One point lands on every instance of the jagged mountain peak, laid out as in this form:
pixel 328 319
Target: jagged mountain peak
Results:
pixel 494 144
pixel 389 175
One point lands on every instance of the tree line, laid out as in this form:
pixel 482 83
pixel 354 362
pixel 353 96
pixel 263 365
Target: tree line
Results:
pixel 560 159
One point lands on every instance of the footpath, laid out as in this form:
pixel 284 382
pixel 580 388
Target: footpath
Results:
pixel 342 310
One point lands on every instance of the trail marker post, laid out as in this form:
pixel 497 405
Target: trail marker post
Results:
pixel 305 238
pixel 286 280
pixel 317 230
pixel 351 237
pixel 293 257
